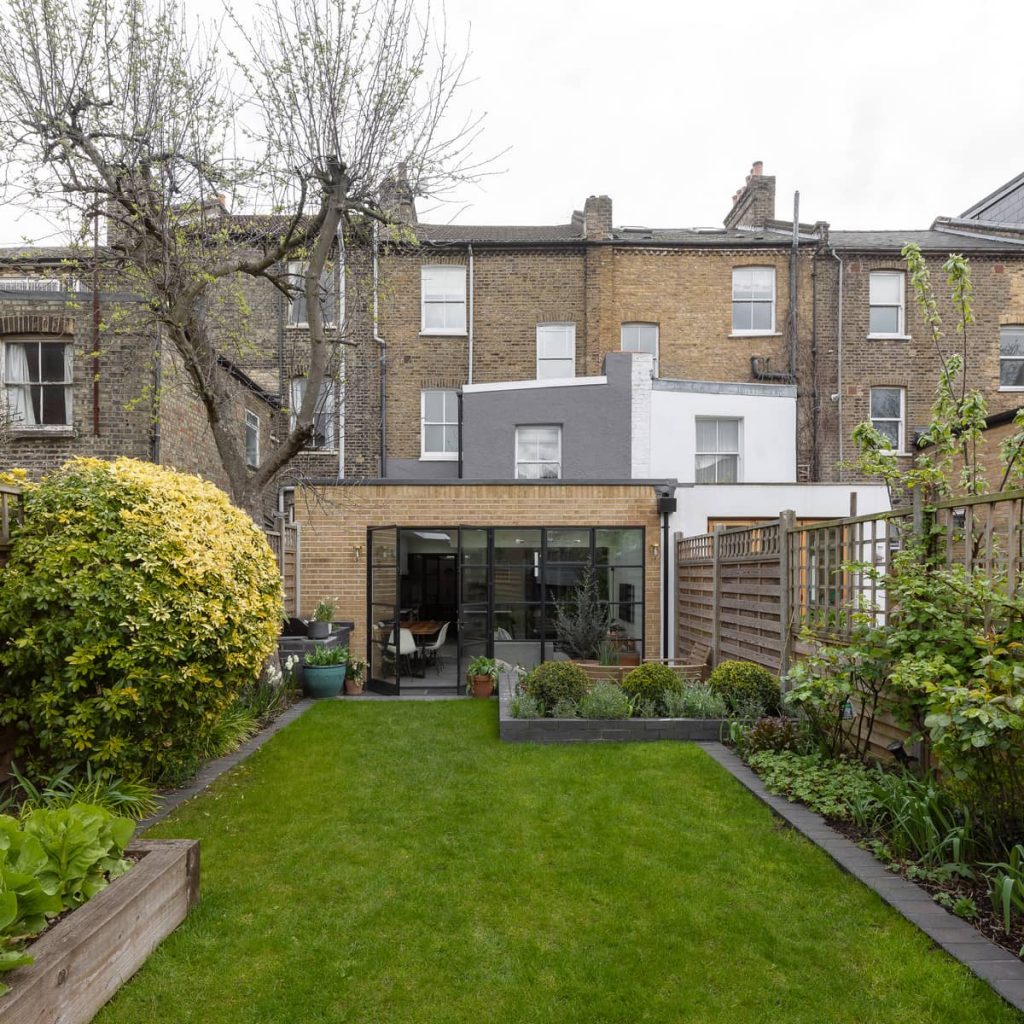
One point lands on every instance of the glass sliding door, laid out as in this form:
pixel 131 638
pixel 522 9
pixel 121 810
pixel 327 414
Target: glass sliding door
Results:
pixel 518 624
pixel 384 656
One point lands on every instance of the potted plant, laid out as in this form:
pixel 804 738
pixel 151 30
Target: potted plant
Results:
pixel 324 672
pixel 482 676
pixel 354 677
pixel 320 624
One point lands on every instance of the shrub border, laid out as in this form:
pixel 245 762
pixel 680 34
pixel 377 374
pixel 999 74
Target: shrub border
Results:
pixel 997 967
pixel 597 730
pixel 86 957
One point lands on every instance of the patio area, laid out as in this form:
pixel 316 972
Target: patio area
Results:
pixel 393 861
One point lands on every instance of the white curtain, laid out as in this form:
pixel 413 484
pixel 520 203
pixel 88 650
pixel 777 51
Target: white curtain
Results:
pixel 69 378
pixel 19 397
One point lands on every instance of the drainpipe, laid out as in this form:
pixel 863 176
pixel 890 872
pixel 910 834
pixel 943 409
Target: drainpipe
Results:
pixel 96 320
pixel 667 504
pixel 341 319
pixel 458 395
pixel 154 434
pixel 469 250
pixel 793 261
pixel 815 462
pixel 839 356
pixel 383 351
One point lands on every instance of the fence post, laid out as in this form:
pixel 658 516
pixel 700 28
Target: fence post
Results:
pixel 716 596
pixel 787 520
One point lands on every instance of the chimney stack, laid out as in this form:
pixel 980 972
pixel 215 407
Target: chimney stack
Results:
pixel 754 204
pixel 597 217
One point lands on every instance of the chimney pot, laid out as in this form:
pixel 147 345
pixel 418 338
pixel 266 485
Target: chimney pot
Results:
pixel 757 168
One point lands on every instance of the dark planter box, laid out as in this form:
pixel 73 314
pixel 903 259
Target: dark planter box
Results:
pixel 85 958
pixel 599 730
pixel 299 645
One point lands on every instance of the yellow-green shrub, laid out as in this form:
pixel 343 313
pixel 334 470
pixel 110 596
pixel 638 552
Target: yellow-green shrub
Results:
pixel 136 604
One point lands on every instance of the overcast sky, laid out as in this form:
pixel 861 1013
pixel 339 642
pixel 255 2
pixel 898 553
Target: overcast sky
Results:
pixel 882 114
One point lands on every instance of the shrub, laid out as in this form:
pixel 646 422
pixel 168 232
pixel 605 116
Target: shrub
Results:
pixel 526 706
pixel 581 624
pixel 739 683
pixel 772 733
pixel 694 700
pixel 137 604
pixel 605 700
pixel 131 797
pixel 554 681
pixel 650 682
pixel 565 708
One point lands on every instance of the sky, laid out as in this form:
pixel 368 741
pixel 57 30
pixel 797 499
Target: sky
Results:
pixel 882 114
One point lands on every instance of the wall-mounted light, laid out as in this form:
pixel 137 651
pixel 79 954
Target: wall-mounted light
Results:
pixel 959 518
pixel 357 551
pixel 655 551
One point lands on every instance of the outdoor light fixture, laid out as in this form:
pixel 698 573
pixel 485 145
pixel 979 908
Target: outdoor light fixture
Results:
pixel 959 518
pixel 357 551
pixel 655 550
pixel 899 752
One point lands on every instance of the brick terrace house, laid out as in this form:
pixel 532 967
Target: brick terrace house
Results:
pixel 518 402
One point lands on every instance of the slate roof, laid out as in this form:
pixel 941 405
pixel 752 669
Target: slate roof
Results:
pixel 940 241
pixel 498 233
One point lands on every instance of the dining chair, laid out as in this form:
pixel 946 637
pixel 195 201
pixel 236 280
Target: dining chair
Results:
pixel 407 648
pixel 432 652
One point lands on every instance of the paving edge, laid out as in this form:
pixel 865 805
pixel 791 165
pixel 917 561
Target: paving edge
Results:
pixel 213 770
pixel 997 967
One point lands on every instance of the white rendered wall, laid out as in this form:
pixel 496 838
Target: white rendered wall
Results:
pixel 767 434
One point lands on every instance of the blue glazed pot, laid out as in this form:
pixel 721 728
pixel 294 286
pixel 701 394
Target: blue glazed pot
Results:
pixel 324 680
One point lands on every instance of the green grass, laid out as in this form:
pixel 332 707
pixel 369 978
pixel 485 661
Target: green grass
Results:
pixel 393 862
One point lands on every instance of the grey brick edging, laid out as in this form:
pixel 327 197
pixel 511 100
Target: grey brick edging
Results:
pixel 994 965
pixel 213 770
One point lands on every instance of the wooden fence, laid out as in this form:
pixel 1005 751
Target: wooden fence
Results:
pixel 286 542
pixel 753 592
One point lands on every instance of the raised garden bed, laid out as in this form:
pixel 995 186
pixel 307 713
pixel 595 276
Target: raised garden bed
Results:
pixel 597 730
pixel 87 956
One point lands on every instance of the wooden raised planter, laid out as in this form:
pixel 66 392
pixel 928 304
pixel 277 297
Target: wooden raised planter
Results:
pixel 85 958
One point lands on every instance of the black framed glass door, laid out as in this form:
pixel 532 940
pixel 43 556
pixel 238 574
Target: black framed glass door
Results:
pixel 474 598
pixel 384 657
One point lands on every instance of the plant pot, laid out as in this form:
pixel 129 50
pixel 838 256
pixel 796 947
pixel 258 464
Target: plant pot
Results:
pixel 629 658
pixel 319 630
pixel 353 687
pixel 324 680
pixel 481 686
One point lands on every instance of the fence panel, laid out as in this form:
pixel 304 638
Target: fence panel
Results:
pixel 11 511
pixel 286 543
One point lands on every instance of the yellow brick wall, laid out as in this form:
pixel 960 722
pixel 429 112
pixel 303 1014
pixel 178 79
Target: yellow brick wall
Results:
pixel 335 519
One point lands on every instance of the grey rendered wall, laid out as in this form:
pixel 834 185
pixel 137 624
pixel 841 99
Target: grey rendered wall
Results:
pixel 417 469
pixel 595 421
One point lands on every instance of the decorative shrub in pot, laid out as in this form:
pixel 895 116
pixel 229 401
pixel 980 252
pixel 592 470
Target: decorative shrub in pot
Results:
pixel 325 671
pixel 482 676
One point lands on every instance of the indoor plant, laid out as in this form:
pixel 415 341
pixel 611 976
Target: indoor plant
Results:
pixel 482 676
pixel 325 671
pixel 354 676
pixel 320 624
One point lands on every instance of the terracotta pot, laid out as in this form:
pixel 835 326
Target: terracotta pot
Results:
pixel 353 687
pixel 481 686
pixel 630 658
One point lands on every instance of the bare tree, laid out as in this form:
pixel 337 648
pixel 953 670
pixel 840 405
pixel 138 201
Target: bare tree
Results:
pixel 306 115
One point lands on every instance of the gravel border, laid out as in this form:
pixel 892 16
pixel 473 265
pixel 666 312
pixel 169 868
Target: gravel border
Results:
pixel 994 965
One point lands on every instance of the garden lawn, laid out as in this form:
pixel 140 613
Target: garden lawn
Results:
pixel 393 862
